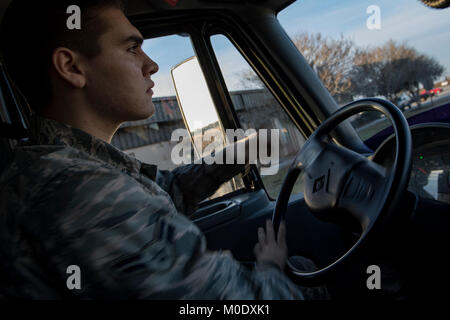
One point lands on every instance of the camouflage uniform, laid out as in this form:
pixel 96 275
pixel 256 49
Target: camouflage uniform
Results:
pixel 69 198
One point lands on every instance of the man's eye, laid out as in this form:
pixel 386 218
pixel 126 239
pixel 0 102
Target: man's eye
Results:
pixel 134 48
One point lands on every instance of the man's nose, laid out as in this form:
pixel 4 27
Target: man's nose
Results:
pixel 150 67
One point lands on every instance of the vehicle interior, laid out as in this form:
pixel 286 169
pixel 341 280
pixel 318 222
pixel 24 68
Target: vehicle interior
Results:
pixel 362 202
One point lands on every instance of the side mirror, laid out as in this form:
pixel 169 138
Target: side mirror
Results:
pixel 197 107
pixel 200 116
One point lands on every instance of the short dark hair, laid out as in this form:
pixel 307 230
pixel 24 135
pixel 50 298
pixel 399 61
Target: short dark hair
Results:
pixel 31 30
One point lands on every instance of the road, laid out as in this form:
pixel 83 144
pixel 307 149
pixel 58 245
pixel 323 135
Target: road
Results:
pixel 373 127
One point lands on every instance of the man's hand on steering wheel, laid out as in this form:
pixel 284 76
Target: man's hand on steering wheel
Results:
pixel 270 250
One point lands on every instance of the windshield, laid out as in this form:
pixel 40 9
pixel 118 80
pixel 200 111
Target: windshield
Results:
pixel 396 50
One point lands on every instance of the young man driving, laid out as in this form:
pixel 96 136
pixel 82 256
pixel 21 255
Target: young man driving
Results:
pixel 70 198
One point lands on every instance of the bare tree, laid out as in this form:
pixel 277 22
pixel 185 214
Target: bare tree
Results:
pixel 391 69
pixel 331 59
pixel 347 71
pixel 250 80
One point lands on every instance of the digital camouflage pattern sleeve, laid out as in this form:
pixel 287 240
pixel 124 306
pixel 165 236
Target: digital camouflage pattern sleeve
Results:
pixel 189 184
pixel 131 243
pixel 70 199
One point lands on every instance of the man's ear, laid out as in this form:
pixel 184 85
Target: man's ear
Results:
pixel 68 66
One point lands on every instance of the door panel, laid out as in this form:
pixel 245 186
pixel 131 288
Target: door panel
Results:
pixel 217 213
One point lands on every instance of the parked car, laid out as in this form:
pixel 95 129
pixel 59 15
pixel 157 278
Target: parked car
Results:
pixel 435 91
pixel 424 95
pixel 404 102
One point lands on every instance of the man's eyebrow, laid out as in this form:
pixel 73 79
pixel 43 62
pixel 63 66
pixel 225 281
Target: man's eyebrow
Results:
pixel 137 39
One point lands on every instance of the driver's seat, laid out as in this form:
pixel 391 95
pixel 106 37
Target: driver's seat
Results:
pixel 12 127
pixel 8 132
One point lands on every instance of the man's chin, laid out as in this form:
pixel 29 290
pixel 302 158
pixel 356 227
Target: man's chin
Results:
pixel 146 113
pixel 151 112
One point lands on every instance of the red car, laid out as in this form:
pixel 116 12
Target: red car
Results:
pixel 425 94
pixel 435 91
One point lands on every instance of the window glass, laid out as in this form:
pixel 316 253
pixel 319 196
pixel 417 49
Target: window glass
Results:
pixel 150 140
pixel 257 109
pixel 396 50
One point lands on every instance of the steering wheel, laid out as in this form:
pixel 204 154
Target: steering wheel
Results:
pixel 342 184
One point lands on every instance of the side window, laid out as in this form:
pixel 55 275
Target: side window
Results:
pixel 150 140
pixel 257 109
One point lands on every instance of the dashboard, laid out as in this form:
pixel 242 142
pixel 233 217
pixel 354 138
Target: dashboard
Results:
pixel 430 174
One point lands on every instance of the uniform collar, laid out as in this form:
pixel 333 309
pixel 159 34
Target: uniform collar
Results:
pixel 45 131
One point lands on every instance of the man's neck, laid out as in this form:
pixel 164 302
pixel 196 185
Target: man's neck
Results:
pixel 99 127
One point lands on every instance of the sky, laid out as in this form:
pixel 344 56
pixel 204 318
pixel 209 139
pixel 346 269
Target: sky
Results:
pixel 426 29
